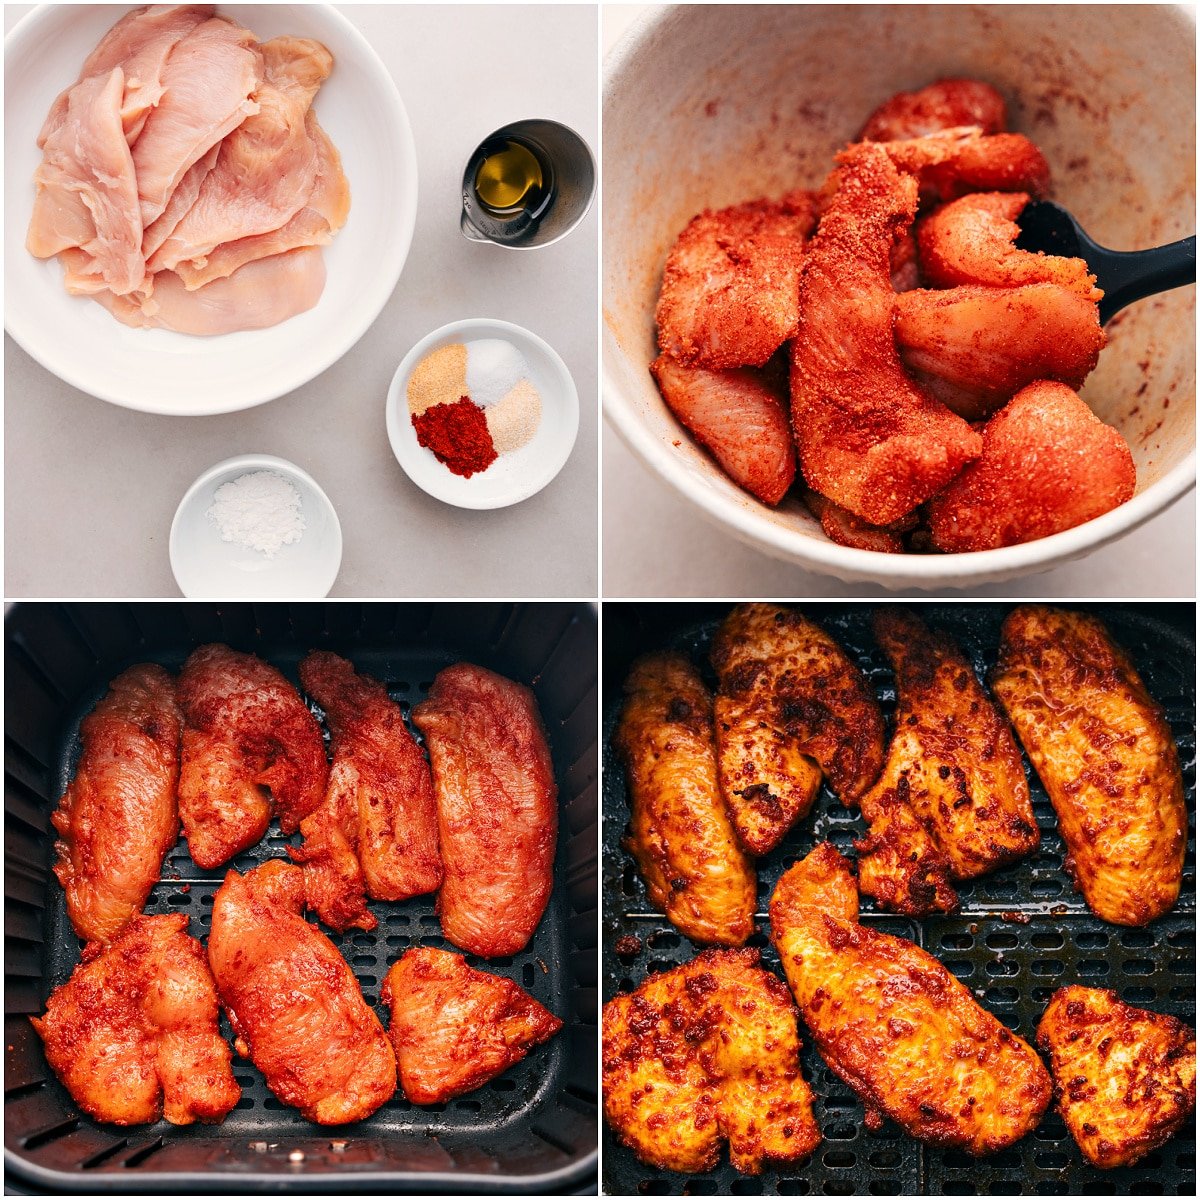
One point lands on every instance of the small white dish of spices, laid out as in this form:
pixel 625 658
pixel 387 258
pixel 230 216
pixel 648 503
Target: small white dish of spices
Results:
pixel 255 527
pixel 482 414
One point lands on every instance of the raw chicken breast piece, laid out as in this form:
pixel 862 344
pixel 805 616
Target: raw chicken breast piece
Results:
pixel 207 86
pixel 86 188
pixel 182 198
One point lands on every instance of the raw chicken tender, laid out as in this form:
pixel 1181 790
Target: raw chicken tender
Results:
pixel 956 162
pixel 1048 464
pixel 728 294
pixel 942 105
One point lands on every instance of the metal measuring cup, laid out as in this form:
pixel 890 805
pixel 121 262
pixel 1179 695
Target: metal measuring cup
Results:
pixel 574 188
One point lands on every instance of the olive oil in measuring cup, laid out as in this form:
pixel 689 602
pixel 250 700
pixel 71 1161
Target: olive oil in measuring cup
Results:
pixel 527 185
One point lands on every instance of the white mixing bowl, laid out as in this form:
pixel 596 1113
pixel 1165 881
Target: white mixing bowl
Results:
pixel 163 372
pixel 708 105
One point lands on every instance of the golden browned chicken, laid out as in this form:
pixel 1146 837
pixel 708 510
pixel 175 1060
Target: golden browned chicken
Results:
pixel 250 748
pixel 1105 754
pixel 892 1022
pixel 453 1027
pixel 703 1054
pixel 133 1033
pixel 1125 1078
pixel 295 1006
pixel 868 438
pixel 682 835
pixel 790 706
pixel 496 804
pixel 728 295
pixel 954 765
pixel 119 816
pixel 379 810
pixel 1048 464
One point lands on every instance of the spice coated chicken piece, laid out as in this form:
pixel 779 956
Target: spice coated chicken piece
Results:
pixel 790 706
pixel 892 1022
pixel 868 438
pixel 295 1006
pixel 1048 464
pixel 739 417
pixel 1104 752
pixel 133 1033
pixel 454 1028
pixel 119 817
pixel 682 835
pixel 705 1053
pixel 946 104
pixel 728 296
pixel 953 765
pixel 246 733
pixel 1124 1078
pixel 972 241
pixel 496 803
pixel 975 347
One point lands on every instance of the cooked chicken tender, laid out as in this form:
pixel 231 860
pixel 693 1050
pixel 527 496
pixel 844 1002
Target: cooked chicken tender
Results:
pixel 739 418
pixel 1124 1078
pixel 971 240
pixel 1048 464
pixel 1104 752
pixel 705 1053
pixel 868 438
pixel 728 295
pixel 976 347
pixel 682 836
pixel 946 104
pixel 790 707
pixel 891 1021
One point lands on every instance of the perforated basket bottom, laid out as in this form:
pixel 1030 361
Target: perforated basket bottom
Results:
pixel 498 1129
pixel 1021 934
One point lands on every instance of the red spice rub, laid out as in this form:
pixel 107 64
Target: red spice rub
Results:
pixel 458 436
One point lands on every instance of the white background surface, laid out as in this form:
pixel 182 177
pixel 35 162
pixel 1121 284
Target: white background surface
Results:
pixel 657 544
pixel 90 489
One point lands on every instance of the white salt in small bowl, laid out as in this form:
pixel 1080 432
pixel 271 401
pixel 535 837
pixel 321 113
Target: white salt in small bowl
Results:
pixel 514 476
pixel 206 567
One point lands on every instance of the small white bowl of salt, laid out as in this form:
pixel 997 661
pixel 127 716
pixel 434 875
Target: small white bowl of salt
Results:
pixel 255 527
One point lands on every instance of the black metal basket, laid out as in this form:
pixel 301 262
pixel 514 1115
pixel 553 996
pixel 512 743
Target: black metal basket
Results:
pixel 1020 935
pixel 532 1129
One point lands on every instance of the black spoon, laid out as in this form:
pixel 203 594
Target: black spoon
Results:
pixel 1125 275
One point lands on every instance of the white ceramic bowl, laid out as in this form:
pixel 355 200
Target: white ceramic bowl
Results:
pixel 708 105
pixel 206 567
pixel 514 476
pixel 162 372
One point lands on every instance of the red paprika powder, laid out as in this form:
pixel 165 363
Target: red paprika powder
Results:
pixel 458 435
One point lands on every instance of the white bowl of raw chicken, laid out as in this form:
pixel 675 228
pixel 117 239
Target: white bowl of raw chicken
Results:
pixel 762 97
pixel 163 372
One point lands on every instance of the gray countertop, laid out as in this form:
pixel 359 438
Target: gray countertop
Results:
pixel 90 489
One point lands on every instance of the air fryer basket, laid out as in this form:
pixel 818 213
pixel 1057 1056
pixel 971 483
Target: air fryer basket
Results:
pixel 1021 933
pixel 532 1129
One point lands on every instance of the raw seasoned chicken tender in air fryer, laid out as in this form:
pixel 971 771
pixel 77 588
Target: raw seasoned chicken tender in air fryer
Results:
pixel 895 1025
pixel 1125 1078
pixel 294 1004
pixel 703 1054
pixel 133 1033
pixel 975 347
pixel 739 418
pixel 453 1027
pixel 728 294
pixel 953 802
pixel 867 436
pixel 790 707
pixel 251 749
pixel 1104 751
pixel 497 807
pixel 680 830
pixel 1048 464
pixel 119 816
pixel 946 104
